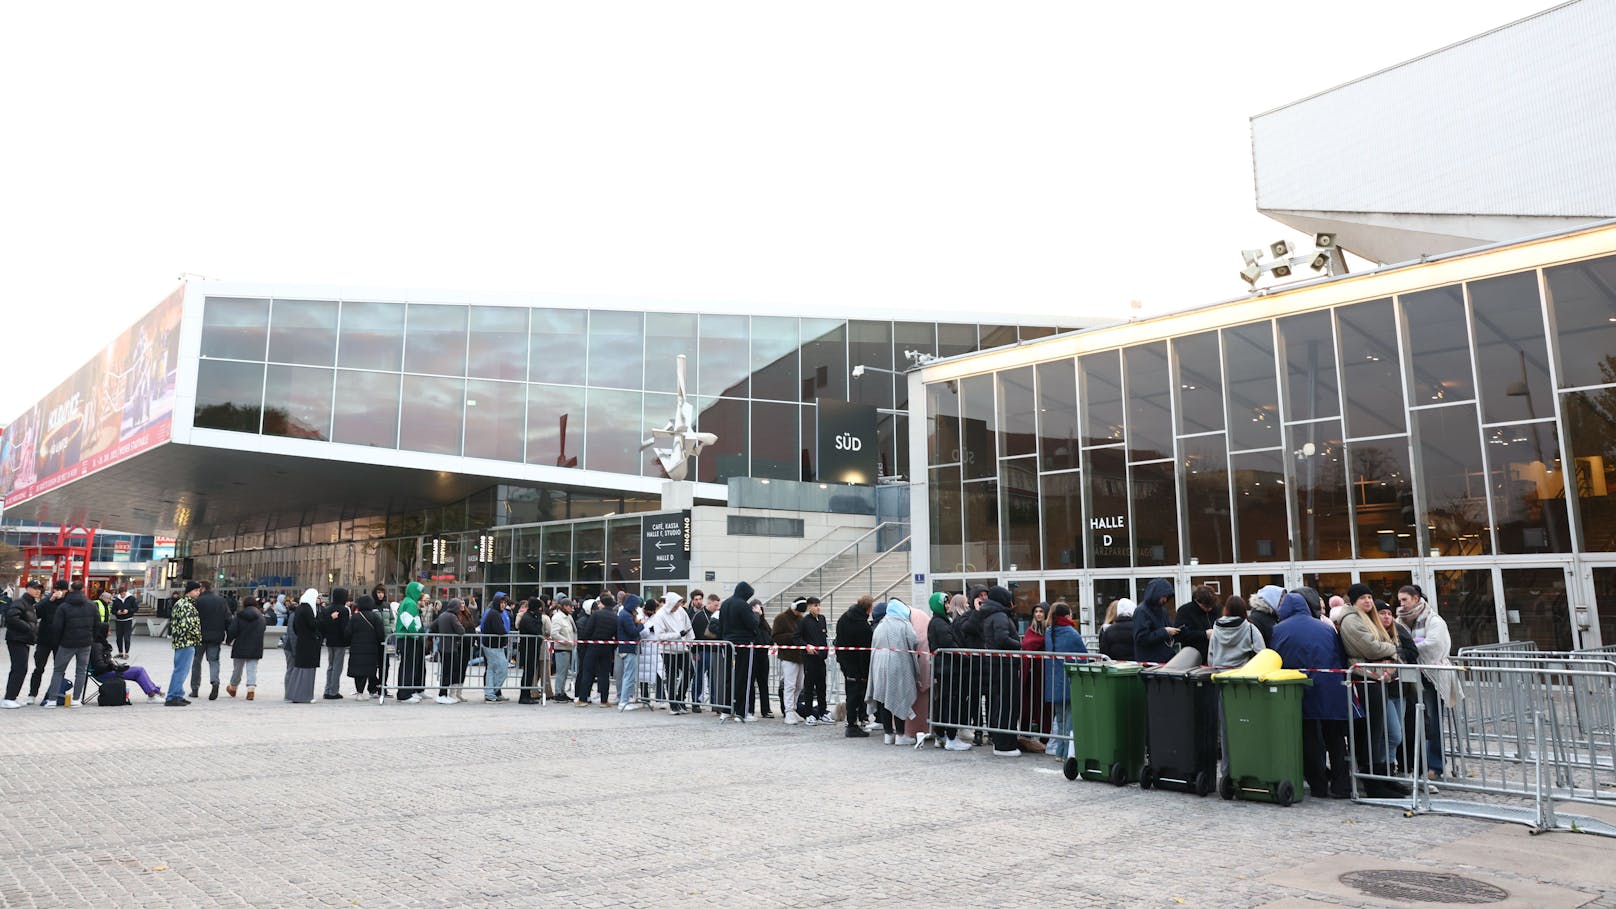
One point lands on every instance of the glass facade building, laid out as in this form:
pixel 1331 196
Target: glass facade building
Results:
pixel 1451 424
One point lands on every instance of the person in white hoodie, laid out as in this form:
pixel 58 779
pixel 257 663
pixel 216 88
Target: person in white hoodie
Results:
pixel 671 628
pixel 1442 687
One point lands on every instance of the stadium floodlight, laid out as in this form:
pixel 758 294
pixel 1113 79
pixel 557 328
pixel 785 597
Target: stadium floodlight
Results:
pixel 1324 241
pixel 1251 273
pixel 1252 256
pixel 1282 270
pixel 1279 249
pixel 1321 261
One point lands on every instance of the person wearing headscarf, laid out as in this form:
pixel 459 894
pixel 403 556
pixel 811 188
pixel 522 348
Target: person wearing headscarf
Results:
pixel 453 649
pixel 409 632
pixel 1153 631
pixel 1116 639
pixel 894 672
pixel 918 726
pixel 948 678
pixel 303 659
pixel 1441 685
pixel 1264 613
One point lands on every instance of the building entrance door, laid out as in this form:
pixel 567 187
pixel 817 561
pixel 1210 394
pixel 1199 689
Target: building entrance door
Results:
pixel 1537 606
pixel 1597 620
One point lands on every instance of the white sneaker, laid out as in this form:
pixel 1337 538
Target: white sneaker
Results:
pixel 811 721
pixel 9 705
pixel 48 704
pixel 631 705
pixel 886 739
pixel 957 744
pixel 905 740
pixel 871 726
pixel 826 720
pixel 750 718
pixel 413 699
pixel 790 718
pixel 1015 752
pixel 446 699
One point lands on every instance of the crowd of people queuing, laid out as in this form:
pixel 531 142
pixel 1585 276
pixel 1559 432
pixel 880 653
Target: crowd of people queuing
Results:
pixel 617 650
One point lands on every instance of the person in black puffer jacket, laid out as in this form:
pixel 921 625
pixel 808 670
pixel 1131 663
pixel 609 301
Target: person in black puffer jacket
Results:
pixel 739 625
pixel 853 632
pixel 213 611
pixel 999 633
pixel 45 646
pixel 245 635
pixel 74 627
pixel 22 633
pixel 949 683
pixel 1116 639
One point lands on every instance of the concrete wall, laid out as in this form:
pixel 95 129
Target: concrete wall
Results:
pixel 769 561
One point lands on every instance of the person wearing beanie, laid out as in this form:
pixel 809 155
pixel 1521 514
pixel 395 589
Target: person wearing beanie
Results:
pixel 999 633
pixel 1366 640
pixel 784 635
pixel 1116 641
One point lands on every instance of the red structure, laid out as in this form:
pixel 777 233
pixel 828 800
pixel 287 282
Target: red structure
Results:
pixel 67 560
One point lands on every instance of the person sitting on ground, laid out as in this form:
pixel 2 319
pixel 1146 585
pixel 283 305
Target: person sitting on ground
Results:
pixel 1234 639
pixel 106 668
pixel 245 635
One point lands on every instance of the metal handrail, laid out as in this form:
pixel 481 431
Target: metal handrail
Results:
pixel 760 582
pixel 868 566
pixel 838 554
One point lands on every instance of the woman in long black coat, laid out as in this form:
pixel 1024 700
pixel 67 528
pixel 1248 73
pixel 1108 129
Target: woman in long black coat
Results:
pixel 367 635
pixel 304 656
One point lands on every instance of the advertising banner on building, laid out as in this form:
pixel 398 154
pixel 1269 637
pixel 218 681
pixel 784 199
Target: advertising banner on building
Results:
pixel 115 406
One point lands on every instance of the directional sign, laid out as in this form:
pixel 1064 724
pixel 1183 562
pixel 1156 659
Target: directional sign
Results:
pixel 665 547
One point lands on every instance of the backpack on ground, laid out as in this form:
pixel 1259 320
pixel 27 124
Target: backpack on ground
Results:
pixel 113 693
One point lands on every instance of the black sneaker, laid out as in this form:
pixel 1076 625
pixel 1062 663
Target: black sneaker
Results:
pixel 329 697
pixel 214 694
pixel 857 732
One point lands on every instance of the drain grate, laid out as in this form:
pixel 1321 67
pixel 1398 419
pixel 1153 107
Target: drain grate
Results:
pixel 1424 886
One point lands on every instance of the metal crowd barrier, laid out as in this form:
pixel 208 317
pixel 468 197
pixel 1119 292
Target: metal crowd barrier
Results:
pixel 835 685
pixel 453 663
pixel 684 676
pixel 1004 693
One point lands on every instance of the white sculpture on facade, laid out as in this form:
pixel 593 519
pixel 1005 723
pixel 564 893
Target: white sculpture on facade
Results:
pixel 680 440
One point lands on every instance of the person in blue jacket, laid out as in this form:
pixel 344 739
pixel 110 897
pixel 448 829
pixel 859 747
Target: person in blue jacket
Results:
pixel 1305 643
pixel 1153 632
pixel 628 646
pixel 1062 637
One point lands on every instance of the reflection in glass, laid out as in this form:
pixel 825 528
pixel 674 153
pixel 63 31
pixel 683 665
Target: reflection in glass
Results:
pixel 1206 500
pixel 824 359
pixel 623 549
pixel 614 429
pixel 495 412
pixel 1310 383
pixel 616 349
pixel 303 331
pixel 1017 406
pixel 1109 540
pixel 870 344
pixel 667 335
pixel 1452 480
pixel 1200 383
pixel 297 402
pixel 366 411
pixel 589 551
pixel 1057 415
pixel 977 427
pixel 1439 346
pixel 229 396
pixel 1154 488
pixel 528 556
pixel 658 408
pixel 1371 380
pixel 1248 368
pixel 435 339
pixel 234 328
pixel 955 339
pixel 557 336
pixel 1465 601
pixel 1102 397
pixel 888 439
pixel 558 553
pixel 942 423
pixel 1260 503
pixel 727 417
pixel 499 337
pixel 947 510
pixel 907 336
pixel 1582 297
pixel 555 425
pixel 1150 415
pixel 981 509
pixel 434 414
pixel 1063 520
pixel 1535 604
pixel 1590 421
pixel 775 448
pixel 774 358
pixel 1527 485
pixel 371 336
pixel 1383 498
pixel 725 357
pixel 1320 490
pixel 997 335
pixel 1510 347
pixel 1018 513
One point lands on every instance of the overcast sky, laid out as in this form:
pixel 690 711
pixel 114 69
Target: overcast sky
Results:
pixel 1043 157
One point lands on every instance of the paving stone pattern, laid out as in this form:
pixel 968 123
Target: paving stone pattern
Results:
pixel 231 803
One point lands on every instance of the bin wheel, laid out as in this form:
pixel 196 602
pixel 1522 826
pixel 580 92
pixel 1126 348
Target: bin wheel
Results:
pixel 1284 794
pixel 1147 777
pixel 1203 783
pixel 1119 774
pixel 1070 768
pixel 1226 788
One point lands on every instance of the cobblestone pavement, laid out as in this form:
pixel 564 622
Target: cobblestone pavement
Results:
pixel 351 804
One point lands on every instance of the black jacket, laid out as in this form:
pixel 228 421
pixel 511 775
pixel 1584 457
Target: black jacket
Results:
pixel 22 620
pixel 600 625
pixel 366 635
pixel 46 613
pixel 704 625
pixel 124 610
pixel 306 629
pixel 214 613
pixel 101 658
pixel 74 622
pixel 998 627
pixel 1116 639
pixel 493 629
pixel 968 629
pixel 246 634
pixel 736 620
pixel 940 634
pixel 335 630
pixel 811 633
pixel 1193 625
pixel 853 630
pixel 1265 622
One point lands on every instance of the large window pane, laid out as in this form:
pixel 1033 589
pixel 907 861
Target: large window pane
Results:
pixel 667 335
pixel 982 525
pixel 1017 406
pixel 1102 397
pixel 1200 383
pixel 623 549
pixel 920 337
pixel 942 423
pixel 557 337
pixel 1320 490
pixel 1018 513
pixel 1453 482
pixel 977 427
pixel 1260 503
pixel 1527 485
pixel 1248 368
pixel 1206 500
pixel 1535 607
pixel 528 555
pixel 1465 600
pixel 229 396
pixel 499 337
pixel 371 336
pixel 725 357
pixel 870 344
pixel 303 331
pixel 1108 536
pixel 555 425
pixel 1154 490
pixel 615 430
pixel 947 554
pixel 1509 343
pixel 297 402
pixel 1439 346
pixel 1057 415
pixel 776 453
pixel 435 340
pixel 558 554
pixel 1383 498
pixel 774 358
pixel 727 417
pixel 955 339
pixel 366 411
pixel 234 328
pixel 658 409
pixel 1371 380
pixel 434 414
pixel 616 349
pixel 1582 297
pixel 495 412
pixel 997 335
pixel 824 359
pixel 1150 396
pixel 1310 382
pixel 589 552
pixel 1063 521
pixel 1590 421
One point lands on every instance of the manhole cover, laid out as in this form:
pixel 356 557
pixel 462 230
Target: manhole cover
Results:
pixel 1424 886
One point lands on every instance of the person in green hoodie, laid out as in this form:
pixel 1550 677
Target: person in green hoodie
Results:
pixel 411 654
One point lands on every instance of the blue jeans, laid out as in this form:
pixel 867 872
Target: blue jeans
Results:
pixel 629 680
pixel 182 670
pixel 497 670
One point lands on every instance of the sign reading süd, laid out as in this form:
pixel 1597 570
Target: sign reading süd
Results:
pixel 665 547
pixel 849 450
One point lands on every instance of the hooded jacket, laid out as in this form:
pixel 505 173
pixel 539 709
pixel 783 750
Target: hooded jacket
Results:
pixel 736 620
pixel 245 634
pixel 853 631
pixel 1265 611
pixel 998 626
pixel 1116 641
pixel 1234 641
pixel 670 623
pixel 306 630
pixel 367 632
pixel 74 622
pixel 628 626
pixel 494 627
pixel 22 620
pixel 1304 643
pixel 335 629
pixel 214 614
pixel 1062 636
pixel 1151 643
pixel 894 667
pixel 409 611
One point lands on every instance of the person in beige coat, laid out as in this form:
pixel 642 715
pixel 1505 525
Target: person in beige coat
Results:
pixel 1441 685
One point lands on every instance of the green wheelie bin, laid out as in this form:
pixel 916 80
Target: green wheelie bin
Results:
pixel 1107 700
pixel 1262 736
